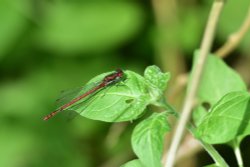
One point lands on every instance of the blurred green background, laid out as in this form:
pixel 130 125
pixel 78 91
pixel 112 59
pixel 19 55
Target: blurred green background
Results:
pixel 51 45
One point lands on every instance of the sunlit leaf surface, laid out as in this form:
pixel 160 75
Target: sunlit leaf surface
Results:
pixel 218 79
pixel 228 119
pixel 124 101
pixel 147 139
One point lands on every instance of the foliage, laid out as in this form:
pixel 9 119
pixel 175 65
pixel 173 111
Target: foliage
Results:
pixel 48 46
pixel 227 120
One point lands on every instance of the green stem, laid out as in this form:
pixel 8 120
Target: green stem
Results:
pixel 237 153
pixel 214 154
pixel 218 159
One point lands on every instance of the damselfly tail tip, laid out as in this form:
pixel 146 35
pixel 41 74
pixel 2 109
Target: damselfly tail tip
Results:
pixel 50 115
pixel 46 118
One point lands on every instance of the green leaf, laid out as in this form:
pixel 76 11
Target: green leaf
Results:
pixel 124 101
pixel 133 163
pixel 217 80
pixel 157 78
pixel 90 27
pixel 157 83
pixel 148 137
pixel 228 119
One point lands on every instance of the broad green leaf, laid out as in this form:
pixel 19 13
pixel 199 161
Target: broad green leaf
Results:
pixel 148 137
pixel 89 27
pixel 217 80
pixel 124 101
pixel 156 77
pixel 228 119
pixel 133 163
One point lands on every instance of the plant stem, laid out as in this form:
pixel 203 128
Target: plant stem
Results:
pixel 189 99
pixel 209 148
pixel 237 153
pixel 214 154
pixel 238 156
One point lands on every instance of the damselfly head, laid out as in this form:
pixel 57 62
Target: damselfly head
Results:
pixel 114 77
pixel 119 72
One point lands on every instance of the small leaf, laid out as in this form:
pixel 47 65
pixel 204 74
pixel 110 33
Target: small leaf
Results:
pixel 228 119
pixel 133 163
pixel 157 83
pixel 124 101
pixel 157 78
pixel 147 139
pixel 217 80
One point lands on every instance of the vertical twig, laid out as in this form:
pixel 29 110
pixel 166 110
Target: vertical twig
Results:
pixel 188 102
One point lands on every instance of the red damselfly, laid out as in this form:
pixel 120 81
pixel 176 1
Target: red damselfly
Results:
pixel 108 80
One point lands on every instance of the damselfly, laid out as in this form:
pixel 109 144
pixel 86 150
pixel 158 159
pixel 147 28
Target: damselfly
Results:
pixel 108 80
